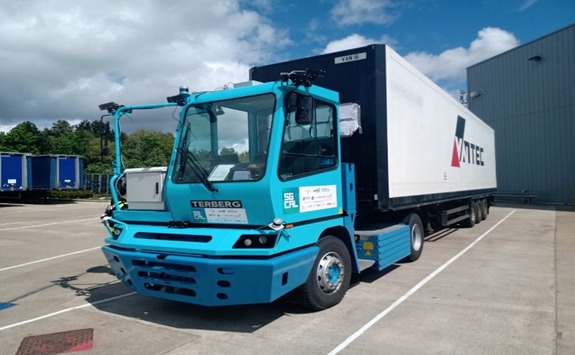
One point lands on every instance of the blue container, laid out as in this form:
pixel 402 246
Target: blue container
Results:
pixel 44 172
pixel 57 172
pixel 14 171
pixel 71 172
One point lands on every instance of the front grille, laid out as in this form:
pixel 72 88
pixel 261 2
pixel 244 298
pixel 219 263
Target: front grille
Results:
pixel 174 237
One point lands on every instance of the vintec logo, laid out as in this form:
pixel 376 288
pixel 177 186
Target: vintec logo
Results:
pixel 464 151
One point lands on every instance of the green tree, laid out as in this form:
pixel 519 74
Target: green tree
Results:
pixel 63 138
pixel 45 144
pixel 145 148
pixel 85 125
pixel 61 128
pixel 228 151
pixel 2 138
pixel 242 157
pixel 96 163
pixel 24 138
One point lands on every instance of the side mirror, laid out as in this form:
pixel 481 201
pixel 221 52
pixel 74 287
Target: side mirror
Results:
pixel 305 109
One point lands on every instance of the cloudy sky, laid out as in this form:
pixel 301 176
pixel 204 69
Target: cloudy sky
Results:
pixel 60 59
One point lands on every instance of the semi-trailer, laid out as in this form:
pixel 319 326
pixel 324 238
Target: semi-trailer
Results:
pixel 57 171
pixel 14 172
pixel 298 179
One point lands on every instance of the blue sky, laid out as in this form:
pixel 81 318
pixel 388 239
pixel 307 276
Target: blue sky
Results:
pixel 422 25
pixel 61 58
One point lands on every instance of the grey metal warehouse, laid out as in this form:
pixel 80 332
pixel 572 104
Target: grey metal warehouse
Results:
pixel 527 95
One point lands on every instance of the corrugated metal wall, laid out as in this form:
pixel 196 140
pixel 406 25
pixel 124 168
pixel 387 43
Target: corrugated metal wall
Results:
pixel 528 96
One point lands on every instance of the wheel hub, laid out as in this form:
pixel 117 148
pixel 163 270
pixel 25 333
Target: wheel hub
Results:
pixel 330 273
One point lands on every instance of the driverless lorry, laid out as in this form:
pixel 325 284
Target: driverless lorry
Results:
pixel 313 171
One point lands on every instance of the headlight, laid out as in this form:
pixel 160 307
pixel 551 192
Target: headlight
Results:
pixel 256 241
pixel 116 232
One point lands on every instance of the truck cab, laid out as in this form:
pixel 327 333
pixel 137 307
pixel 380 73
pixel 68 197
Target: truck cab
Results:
pixel 242 155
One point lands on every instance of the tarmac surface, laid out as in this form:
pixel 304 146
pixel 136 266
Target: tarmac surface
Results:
pixel 506 286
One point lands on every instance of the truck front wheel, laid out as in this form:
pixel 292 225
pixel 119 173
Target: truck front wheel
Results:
pixel 329 278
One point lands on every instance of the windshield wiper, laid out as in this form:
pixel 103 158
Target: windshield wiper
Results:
pixel 197 168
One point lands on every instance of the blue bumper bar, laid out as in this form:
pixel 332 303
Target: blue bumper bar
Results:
pixel 211 281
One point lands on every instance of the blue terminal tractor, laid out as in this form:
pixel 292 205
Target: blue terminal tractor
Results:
pixel 277 188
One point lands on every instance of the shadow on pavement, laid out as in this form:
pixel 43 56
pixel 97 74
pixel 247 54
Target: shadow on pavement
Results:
pixel 241 319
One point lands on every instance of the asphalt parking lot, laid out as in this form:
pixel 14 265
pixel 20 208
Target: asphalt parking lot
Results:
pixel 506 286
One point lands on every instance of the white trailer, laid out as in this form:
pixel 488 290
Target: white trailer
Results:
pixel 416 147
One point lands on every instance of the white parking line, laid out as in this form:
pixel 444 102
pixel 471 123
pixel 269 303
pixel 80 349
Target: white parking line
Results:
pixel 18 210
pixel 414 289
pixel 48 259
pixel 67 310
pixel 49 224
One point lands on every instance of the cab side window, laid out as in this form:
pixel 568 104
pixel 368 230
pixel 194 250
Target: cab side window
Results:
pixel 309 141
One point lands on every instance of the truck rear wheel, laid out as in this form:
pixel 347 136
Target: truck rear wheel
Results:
pixel 417 235
pixel 329 278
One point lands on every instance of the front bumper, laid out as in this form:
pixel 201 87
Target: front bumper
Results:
pixel 211 281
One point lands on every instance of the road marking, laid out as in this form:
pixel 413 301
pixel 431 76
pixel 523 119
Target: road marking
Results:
pixel 14 210
pixel 414 289
pixel 67 310
pixel 51 258
pixel 49 224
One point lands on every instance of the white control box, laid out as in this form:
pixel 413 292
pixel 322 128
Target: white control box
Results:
pixel 144 188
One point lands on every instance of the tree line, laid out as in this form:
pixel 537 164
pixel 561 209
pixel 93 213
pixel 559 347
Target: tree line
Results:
pixel 140 149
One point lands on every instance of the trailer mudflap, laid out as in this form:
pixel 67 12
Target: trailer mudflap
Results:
pixel 385 246
pixel 211 281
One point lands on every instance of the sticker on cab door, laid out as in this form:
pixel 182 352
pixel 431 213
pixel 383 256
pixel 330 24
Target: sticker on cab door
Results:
pixel 309 198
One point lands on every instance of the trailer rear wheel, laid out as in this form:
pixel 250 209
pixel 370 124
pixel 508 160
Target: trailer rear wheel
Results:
pixel 470 221
pixel 417 236
pixel 329 278
pixel 484 209
pixel 477 211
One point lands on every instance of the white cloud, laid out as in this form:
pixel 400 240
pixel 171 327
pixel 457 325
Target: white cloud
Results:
pixel 6 128
pixel 451 64
pixel 354 41
pixel 353 12
pixel 61 58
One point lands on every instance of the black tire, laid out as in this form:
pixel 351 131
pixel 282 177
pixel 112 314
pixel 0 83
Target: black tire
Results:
pixel 328 281
pixel 470 222
pixel 417 235
pixel 484 209
pixel 477 210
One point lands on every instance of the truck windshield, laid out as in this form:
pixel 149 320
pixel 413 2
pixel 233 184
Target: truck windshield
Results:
pixel 225 141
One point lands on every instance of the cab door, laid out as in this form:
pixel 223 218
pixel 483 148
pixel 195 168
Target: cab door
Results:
pixel 308 167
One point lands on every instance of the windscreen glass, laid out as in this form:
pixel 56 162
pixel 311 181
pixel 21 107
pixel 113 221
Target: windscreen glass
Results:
pixel 225 141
